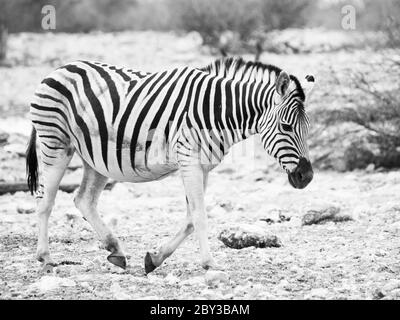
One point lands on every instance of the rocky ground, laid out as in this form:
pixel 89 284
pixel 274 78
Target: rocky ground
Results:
pixel 356 258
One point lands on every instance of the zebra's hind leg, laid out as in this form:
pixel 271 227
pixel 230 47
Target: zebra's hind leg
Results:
pixel 52 173
pixel 86 200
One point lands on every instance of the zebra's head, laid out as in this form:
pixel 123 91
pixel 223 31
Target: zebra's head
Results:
pixel 284 128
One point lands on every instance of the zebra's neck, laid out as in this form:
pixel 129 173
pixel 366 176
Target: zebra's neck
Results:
pixel 241 105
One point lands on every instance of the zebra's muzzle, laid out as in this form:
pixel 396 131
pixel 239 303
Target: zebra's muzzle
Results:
pixel 300 177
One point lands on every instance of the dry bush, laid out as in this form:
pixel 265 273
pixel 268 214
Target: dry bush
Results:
pixel 392 30
pixel 283 14
pixel 244 18
pixel 211 18
pixel 371 122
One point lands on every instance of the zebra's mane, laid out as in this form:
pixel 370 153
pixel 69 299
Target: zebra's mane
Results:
pixel 235 68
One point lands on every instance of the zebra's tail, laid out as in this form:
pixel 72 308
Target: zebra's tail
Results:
pixel 32 163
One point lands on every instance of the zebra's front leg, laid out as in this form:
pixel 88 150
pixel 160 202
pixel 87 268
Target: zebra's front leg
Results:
pixel 194 180
pixel 154 260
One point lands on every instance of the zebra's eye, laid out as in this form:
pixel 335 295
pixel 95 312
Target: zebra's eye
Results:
pixel 287 127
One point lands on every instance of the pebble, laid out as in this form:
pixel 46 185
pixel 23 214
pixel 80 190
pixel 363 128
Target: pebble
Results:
pixel 194 281
pixel 240 291
pixel 171 279
pixel 391 285
pixel 119 293
pixel 86 285
pixel 3 137
pixel 26 208
pixel 214 277
pixel 284 284
pixel 318 293
pixel 395 293
pixel 154 279
pixel 14 148
pixel 47 283
pixel 211 294
pixel 296 269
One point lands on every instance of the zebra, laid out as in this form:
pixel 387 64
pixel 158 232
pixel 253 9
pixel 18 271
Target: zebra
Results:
pixel 136 126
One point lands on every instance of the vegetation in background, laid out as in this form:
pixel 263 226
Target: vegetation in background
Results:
pixel 206 16
pixel 212 18
pixel 371 122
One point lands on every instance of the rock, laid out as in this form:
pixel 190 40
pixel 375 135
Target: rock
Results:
pixel 118 293
pixel 18 149
pixel 214 277
pixel 3 137
pixel 281 216
pixel 211 294
pixel 378 294
pixel 122 296
pixel 86 285
pixel 47 283
pixel 72 218
pixel 318 293
pixel 228 206
pixel 243 236
pixel 194 281
pixel 284 284
pixel 395 293
pixel 296 269
pixel 370 167
pixel 154 279
pixel 228 296
pixel 171 279
pixel 324 215
pixel 240 291
pixel 26 208
pixel 256 289
pixel 391 285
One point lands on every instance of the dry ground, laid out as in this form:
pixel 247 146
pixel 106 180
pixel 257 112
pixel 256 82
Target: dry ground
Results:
pixel 350 260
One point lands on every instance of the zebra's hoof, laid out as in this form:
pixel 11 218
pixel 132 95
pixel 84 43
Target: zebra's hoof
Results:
pixel 148 263
pixel 47 268
pixel 119 261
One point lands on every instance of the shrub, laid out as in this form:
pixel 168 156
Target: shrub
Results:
pixel 282 14
pixel 211 18
pixel 374 117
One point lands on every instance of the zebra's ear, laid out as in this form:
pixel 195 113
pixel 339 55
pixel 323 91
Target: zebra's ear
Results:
pixel 282 83
pixel 309 84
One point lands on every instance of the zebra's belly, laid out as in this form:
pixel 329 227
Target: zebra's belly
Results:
pixel 139 174
pixel 146 165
